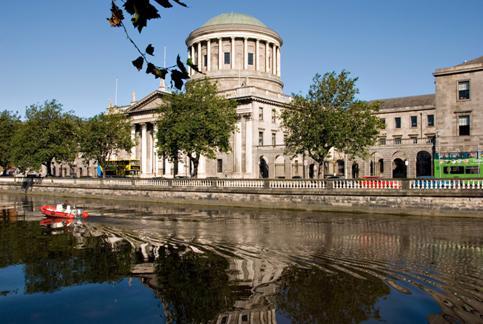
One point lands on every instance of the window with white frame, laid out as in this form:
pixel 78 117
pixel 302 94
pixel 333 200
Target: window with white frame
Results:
pixel 464 90
pixel 464 125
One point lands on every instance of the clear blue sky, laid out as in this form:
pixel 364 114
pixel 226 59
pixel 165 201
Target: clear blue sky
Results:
pixel 64 49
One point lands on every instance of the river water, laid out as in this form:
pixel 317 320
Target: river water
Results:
pixel 149 263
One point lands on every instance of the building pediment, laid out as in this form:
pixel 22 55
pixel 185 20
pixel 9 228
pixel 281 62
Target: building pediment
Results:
pixel 149 103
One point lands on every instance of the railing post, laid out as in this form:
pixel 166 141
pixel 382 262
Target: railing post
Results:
pixel 405 184
pixel 266 183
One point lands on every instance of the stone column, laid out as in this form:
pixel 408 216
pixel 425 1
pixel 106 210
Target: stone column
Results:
pixel 278 62
pixel 133 139
pixel 238 148
pixel 199 56
pixel 208 54
pixel 245 53
pixel 220 53
pixel 144 149
pixel 155 150
pixel 192 51
pixel 249 145
pixel 189 56
pixel 149 146
pixel 202 167
pixel 243 146
pixel 233 53
pixel 257 55
pixel 266 56
pixel 274 60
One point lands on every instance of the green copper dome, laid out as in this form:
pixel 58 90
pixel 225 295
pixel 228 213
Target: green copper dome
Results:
pixel 234 18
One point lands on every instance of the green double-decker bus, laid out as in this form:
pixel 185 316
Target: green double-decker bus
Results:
pixel 458 165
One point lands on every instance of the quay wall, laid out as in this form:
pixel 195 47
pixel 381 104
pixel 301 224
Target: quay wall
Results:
pixel 398 197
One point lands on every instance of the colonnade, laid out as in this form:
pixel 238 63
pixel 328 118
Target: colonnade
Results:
pixel 144 135
pixel 265 51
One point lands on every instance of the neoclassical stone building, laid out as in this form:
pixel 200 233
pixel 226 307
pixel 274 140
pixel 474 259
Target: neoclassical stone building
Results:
pixel 243 56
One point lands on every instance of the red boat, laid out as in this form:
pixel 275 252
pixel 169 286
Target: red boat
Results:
pixel 55 223
pixel 59 212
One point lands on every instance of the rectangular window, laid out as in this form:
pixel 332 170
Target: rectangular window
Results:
pixel 464 125
pixel 431 139
pixel 414 139
pixel 472 170
pixel 430 120
pixel 227 58
pixel 454 170
pixel 250 58
pixel 260 138
pixel 219 165
pixel 383 121
pixel 205 60
pixel 274 139
pixel 463 90
pixel 397 140
pixel 414 121
pixel 260 113
pixel 274 116
pixel 382 141
pixel 397 122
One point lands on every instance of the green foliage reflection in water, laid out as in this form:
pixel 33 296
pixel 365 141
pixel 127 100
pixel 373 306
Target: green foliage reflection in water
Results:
pixel 53 262
pixel 315 296
pixel 193 287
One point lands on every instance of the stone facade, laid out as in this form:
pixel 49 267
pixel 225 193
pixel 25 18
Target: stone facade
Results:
pixel 243 56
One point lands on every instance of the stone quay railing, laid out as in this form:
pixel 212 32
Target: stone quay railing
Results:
pixel 275 184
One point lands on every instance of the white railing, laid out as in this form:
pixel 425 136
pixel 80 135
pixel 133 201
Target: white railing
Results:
pixel 297 184
pixel 367 184
pixel 442 184
pixel 239 183
pixel 274 184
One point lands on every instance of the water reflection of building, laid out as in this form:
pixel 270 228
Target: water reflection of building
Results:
pixel 260 248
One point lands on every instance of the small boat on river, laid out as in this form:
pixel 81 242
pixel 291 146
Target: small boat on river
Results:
pixel 60 212
pixel 56 223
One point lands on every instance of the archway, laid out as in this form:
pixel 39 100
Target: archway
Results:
pixel 399 169
pixel 312 171
pixel 381 166
pixel 340 168
pixel 279 167
pixel 263 166
pixel 423 164
pixel 355 170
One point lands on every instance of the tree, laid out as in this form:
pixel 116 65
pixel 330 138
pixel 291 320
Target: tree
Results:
pixel 315 296
pixel 8 124
pixel 141 12
pixel 330 117
pixel 48 133
pixel 103 135
pixel 197 122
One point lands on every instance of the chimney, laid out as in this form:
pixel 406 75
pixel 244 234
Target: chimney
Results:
pixel 162 85
pixel 133 97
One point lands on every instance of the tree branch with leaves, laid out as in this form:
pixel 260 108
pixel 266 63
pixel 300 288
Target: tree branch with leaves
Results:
pixel 197 123
pixel 104 135
pixel 141 12
pixel 330 117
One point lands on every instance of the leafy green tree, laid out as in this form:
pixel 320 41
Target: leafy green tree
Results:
pixel 48 133
pixel 196 287
pixel 330 117
pixel 197 122
pixel 9 122
pixel 315 296
pixel 103 135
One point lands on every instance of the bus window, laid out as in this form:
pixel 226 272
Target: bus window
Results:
pixel 457 170
pixel 472 170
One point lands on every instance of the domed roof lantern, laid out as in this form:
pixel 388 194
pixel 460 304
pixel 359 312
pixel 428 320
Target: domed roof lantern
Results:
pixel 234 18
